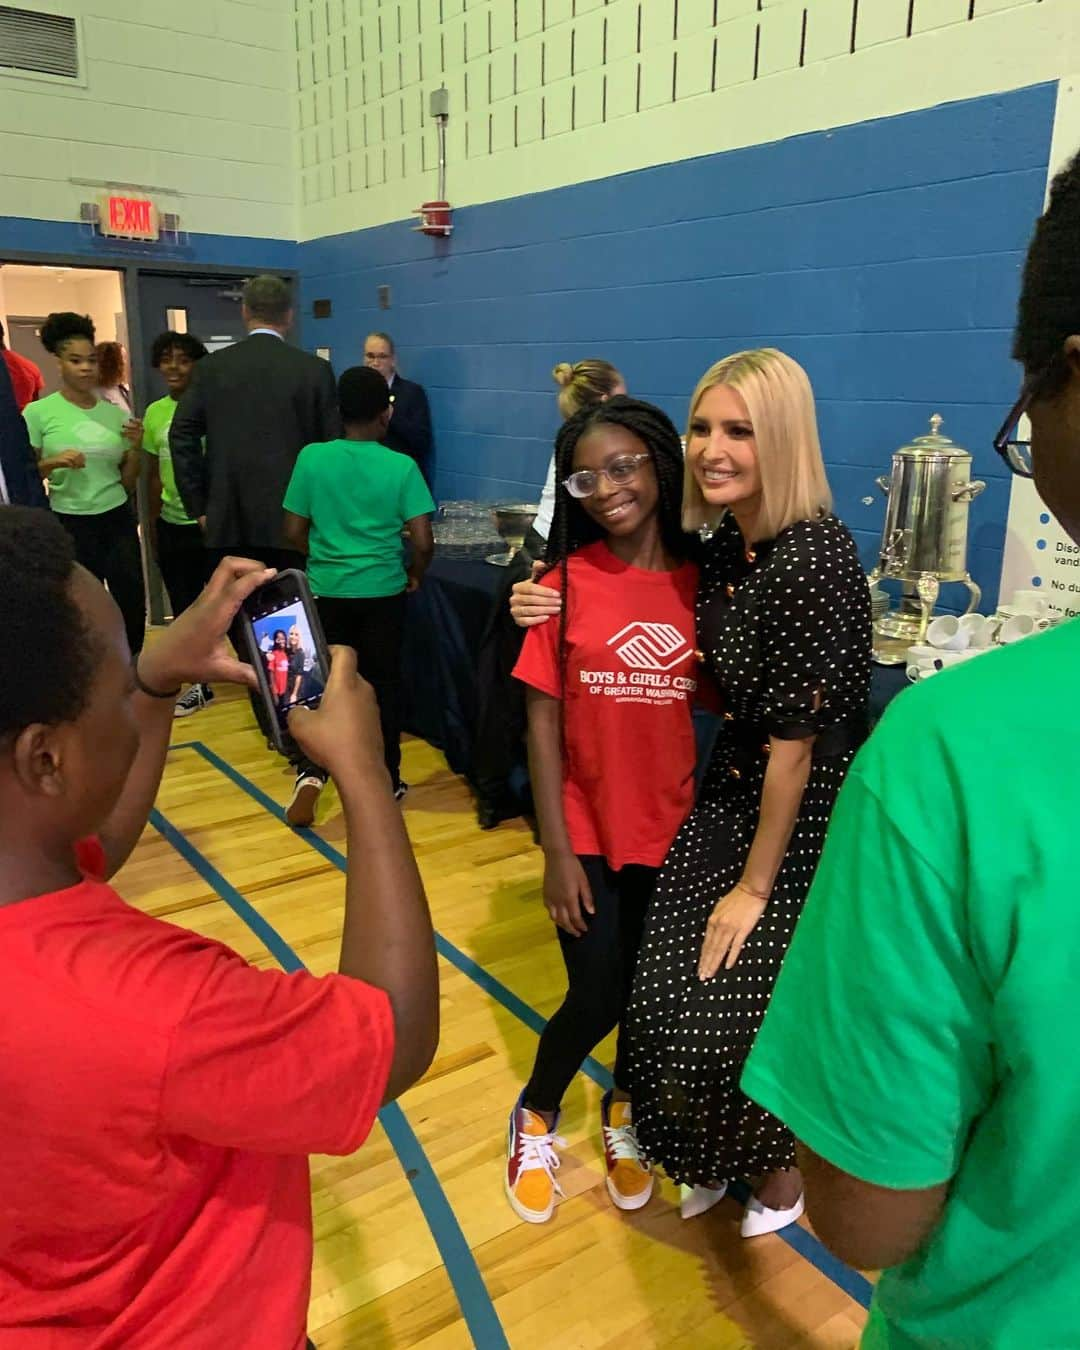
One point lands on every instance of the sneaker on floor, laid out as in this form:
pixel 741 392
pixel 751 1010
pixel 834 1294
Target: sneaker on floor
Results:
pixel 629 1176
pixel 400 791
pixel 195 700
pixel 300 812
pixel 531 1164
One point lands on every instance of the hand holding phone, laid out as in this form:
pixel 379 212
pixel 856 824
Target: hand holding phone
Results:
pixel 286 647
pixel 195 647
pixel 344 734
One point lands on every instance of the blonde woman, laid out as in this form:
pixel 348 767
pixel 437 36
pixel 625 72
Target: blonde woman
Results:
pixel 783 624
pixel 580 386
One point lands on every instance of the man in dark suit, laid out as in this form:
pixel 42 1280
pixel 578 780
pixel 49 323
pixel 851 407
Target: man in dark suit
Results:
pixel 256 405
pixel 20 482
pixel 409 431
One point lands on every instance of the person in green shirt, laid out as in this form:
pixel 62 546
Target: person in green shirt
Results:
pixel 178 540
pixel 346 506
pixel 917 1040
pixel 88 453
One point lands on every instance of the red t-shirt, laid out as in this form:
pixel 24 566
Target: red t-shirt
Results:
pixel 158 1100
pixel 278 661
pixel 26 380
pixel 631 672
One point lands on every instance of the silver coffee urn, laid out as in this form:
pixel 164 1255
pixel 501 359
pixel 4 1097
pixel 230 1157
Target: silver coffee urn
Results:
pixel 924 542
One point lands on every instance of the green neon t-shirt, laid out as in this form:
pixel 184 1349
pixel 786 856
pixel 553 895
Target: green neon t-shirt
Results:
pixel 358 496
pixel 920 1031
pixel 55 424
pixel 156 424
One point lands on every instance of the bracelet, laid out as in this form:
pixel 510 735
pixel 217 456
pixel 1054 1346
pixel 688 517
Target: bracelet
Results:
pixel 758 895
pixel 145 688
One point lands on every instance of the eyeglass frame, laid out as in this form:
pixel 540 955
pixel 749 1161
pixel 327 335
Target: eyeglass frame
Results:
pixel 638 459
pixel 1004 439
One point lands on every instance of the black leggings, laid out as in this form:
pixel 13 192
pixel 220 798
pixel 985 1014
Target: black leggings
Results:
pixel 108 546
pixel 373 628
pixel 182 558
pixel 600 973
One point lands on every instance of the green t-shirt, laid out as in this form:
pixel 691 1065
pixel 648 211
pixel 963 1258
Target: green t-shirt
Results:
pixel 357 495
pixel 156 424
pixel 55 424
pixel 922 1028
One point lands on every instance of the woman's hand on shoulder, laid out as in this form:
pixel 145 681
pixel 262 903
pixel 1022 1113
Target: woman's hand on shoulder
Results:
pixel 531 604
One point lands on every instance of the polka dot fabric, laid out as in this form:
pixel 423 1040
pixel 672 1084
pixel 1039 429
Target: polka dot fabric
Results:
pixel 787 637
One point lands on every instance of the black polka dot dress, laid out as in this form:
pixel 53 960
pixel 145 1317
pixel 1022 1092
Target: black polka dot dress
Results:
pixel 785 632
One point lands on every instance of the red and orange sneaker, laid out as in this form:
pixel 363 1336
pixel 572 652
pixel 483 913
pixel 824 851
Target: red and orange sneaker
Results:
pixel 629 1176
pixel 531 1164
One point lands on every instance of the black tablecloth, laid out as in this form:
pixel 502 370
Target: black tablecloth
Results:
pixel 444 627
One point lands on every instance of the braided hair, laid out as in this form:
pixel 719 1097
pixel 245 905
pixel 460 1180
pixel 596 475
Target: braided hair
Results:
pixel 573 528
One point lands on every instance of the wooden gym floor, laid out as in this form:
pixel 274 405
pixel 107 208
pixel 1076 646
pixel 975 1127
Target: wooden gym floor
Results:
pixel 415 1244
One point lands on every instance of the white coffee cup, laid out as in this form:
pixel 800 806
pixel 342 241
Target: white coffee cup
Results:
pixel 979 628
pixel 1031 602
pixel 946 634
pixel 922 655
pixel 1019 626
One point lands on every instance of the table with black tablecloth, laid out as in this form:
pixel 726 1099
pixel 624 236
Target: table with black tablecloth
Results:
pixel 445 625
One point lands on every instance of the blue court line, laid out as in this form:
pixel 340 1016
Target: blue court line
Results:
pixel 473 1298
pixel 854 1284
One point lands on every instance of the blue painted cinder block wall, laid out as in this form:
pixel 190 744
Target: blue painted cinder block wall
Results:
pixel 884 256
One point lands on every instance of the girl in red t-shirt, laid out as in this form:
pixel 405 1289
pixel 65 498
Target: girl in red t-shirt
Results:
pixel 611 756
pixel 277 663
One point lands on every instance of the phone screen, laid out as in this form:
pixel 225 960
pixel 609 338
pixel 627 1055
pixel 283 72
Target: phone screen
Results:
pixel 292 655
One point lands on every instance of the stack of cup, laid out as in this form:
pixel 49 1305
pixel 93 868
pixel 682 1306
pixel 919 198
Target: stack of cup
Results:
pixel 1028 612
pixel 949 641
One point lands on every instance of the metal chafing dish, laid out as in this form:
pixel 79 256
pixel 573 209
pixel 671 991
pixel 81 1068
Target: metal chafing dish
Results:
pixel 924 541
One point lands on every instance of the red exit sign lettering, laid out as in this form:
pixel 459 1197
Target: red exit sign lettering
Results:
pixel 129 218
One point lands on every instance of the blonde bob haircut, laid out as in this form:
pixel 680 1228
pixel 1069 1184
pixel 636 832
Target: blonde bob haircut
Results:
pixel 780 403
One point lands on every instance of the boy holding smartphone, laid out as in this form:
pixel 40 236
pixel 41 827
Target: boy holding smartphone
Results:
pixel 346 507
pixel 158 1095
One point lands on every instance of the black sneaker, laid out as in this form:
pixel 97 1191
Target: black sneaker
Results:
pixel 197 697
pixel 300 812
pixel 400 791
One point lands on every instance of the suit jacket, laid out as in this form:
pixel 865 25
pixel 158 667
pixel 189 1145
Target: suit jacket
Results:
pixel 409 431
pixel 257 404
pixel 17 459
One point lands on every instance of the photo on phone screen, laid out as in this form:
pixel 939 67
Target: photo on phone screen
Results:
pixel 288 645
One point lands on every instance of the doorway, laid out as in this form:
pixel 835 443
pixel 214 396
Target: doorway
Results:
pixel 31 291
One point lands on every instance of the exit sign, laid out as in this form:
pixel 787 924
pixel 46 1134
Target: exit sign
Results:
pixel 129 218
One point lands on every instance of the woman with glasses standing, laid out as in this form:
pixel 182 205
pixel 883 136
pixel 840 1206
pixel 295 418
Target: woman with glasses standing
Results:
pixel 611 754
pixel 88 453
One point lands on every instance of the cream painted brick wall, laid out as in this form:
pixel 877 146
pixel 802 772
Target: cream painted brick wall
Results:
pixel 565 90
pixel 192 103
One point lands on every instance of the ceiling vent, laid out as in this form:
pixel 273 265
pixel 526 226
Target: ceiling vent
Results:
pixel 38 44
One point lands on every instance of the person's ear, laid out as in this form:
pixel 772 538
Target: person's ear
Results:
pixel 37 757
pixel 385 416
pixel 1072 355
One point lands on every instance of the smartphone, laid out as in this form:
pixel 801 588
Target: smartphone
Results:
pixel 287 648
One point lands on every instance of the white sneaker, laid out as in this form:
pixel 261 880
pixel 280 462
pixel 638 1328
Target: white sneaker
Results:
pixel 759 1219
pixel 300 812
pixel 695 1200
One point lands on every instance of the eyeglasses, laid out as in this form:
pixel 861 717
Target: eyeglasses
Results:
pixel 620 471
pixel 1013 448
